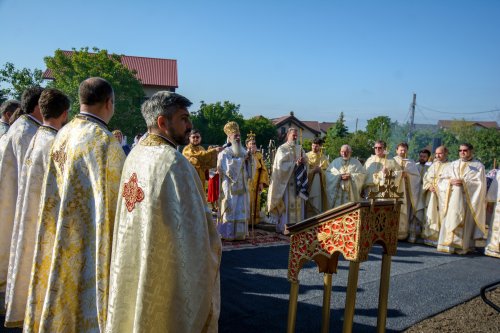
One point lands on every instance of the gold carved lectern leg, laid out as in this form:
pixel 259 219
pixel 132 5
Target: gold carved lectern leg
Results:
pixel 327 292
pixel 383 292
pixel 350 298
pixel 292 306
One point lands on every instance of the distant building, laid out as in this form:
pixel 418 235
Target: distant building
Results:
pixel 307 129
pixel 447 124
pixel 155 74
pixel 426 127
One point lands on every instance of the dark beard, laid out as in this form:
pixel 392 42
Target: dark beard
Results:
pixel 179 138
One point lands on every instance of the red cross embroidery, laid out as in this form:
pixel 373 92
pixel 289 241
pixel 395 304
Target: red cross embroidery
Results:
pixel 132 193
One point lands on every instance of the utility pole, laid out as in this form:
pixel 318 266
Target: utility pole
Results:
pixel 412 116
pixel 356 125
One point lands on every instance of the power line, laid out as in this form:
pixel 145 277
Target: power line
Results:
pixel 422 113
pixel 434 110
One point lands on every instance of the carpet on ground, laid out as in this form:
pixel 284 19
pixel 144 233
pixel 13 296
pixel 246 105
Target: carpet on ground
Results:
pixel 257 238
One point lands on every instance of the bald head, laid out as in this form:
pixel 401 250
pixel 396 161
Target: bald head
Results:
pixel 441 153
pixel 97 97
pixel 95 90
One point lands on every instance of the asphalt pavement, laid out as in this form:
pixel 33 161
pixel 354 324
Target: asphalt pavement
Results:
pixel 424 282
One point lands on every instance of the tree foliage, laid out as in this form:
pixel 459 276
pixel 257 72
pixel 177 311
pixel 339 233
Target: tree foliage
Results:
pixel 211 118
pixel 422 139
pixel 359 142
pixel 486 141
pixel 379 128
pixel 3 96
pixel 70 70
pixel 339 130
pixel 18 80
pixel 263 128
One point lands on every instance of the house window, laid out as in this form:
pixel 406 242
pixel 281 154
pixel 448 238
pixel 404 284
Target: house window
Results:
pixel 283 130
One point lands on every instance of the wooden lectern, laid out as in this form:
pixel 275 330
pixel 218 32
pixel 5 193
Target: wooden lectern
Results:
pixel 350 230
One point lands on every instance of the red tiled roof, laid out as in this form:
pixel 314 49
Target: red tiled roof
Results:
pixel 312 124
pixel 485 124
pixel 150 71
pixel 276 121
pixel 325 126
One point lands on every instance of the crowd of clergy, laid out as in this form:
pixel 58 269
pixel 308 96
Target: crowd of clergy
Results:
pixel 445 204
pixel 98 237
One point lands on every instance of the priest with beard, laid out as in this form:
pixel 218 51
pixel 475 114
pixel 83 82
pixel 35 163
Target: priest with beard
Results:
pixel 377 167
pixel 344 177
pixel 166 250
pixel 434 196
pixel 286 200
pixel 235 170
pixel 409 185
pixel 202 160
pixel 464 213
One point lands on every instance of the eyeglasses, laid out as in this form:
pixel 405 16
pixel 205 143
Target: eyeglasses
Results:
pixel 378 147
pixel 462 150
pixel 196 137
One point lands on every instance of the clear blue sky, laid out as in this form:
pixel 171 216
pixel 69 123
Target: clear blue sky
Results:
pixel 317 58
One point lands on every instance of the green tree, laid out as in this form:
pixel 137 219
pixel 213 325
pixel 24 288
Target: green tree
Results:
pixel 333 143
pixel 361 146
pixel 379 128
pixel 339 129
pixel 307 145
pixel 3 96
pixel 18 80
pixel 70 70
pixel 420 140
pixel 486 141
pixel 211 118
pixel 359 142
pixel 487 146
pixel 263 128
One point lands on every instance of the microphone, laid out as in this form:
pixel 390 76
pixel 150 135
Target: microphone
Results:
pixel 227 144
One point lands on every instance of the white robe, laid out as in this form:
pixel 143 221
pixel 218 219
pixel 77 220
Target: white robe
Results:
pixel 318 198
pixel 434 202
pixel 166 250
pixel 283 203
pixel 234 195
pixel 344 191
pixel 4 128
pixel 25 225
pixel 493 243
pixel 411 189
pixel 70 275
pixel 374 175
pixel 13 146
pixel 465 207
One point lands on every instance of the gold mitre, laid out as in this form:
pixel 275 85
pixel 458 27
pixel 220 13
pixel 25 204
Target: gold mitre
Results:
pixel 250 137
pixel 231 128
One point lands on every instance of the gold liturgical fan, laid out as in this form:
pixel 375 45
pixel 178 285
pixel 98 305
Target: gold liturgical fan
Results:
pixel 351 230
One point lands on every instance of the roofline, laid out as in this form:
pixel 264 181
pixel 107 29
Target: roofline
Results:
pixel 299 122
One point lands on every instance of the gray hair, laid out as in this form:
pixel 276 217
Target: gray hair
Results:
pixel 163 103
pixel 348 147
pixel 291 129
